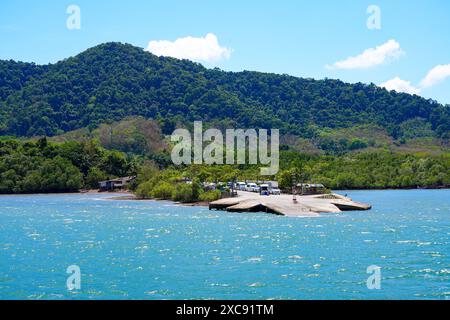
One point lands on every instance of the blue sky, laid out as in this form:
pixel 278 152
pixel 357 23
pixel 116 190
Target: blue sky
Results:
pixel 301 38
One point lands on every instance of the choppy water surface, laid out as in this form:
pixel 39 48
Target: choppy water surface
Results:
pixel 158 250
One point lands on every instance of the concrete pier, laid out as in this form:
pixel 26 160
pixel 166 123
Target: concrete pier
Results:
pixel 283 204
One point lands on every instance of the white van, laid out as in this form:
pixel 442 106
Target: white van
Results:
pixel 241 186
pixel 275 191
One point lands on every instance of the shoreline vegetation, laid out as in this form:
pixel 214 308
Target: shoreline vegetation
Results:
pixel 42 166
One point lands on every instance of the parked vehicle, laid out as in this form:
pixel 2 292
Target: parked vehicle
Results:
pixel 251 187
pixel 264 191
pixel 275 191
pixel 241 186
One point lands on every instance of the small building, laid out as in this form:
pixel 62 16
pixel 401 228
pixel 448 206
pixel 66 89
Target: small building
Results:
pixel 113 184
pixel 209 186
pixel 311 188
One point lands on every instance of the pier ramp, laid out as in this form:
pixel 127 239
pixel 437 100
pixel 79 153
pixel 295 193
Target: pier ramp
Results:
pixel 311 205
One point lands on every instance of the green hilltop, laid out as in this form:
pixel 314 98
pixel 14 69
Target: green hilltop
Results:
pixel 112 81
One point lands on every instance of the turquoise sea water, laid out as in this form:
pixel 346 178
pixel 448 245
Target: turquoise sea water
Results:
pixel 158 250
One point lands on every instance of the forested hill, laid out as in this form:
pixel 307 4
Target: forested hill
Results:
pixel 112 81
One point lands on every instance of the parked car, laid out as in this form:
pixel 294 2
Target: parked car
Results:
pixel 275 191
pixel 251 187
pixel 264 191
pixel 241 186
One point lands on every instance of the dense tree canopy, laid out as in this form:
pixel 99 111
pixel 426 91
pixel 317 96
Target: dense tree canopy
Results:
pixel 366 170
pixel 111 81
pixel 30 167
pixel 41 166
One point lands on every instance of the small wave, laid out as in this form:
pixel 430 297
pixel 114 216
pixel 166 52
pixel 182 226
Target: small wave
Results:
pixel 219 285
pixel 151 292
pixel 256 284
pixel 406 241
pixel 254 259
pixel 34 235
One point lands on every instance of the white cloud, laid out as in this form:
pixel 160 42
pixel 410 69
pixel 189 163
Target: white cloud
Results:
pixel 371 57
pixel 433 77
pixel 400 85
pixel 206 49
pixel 436 75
